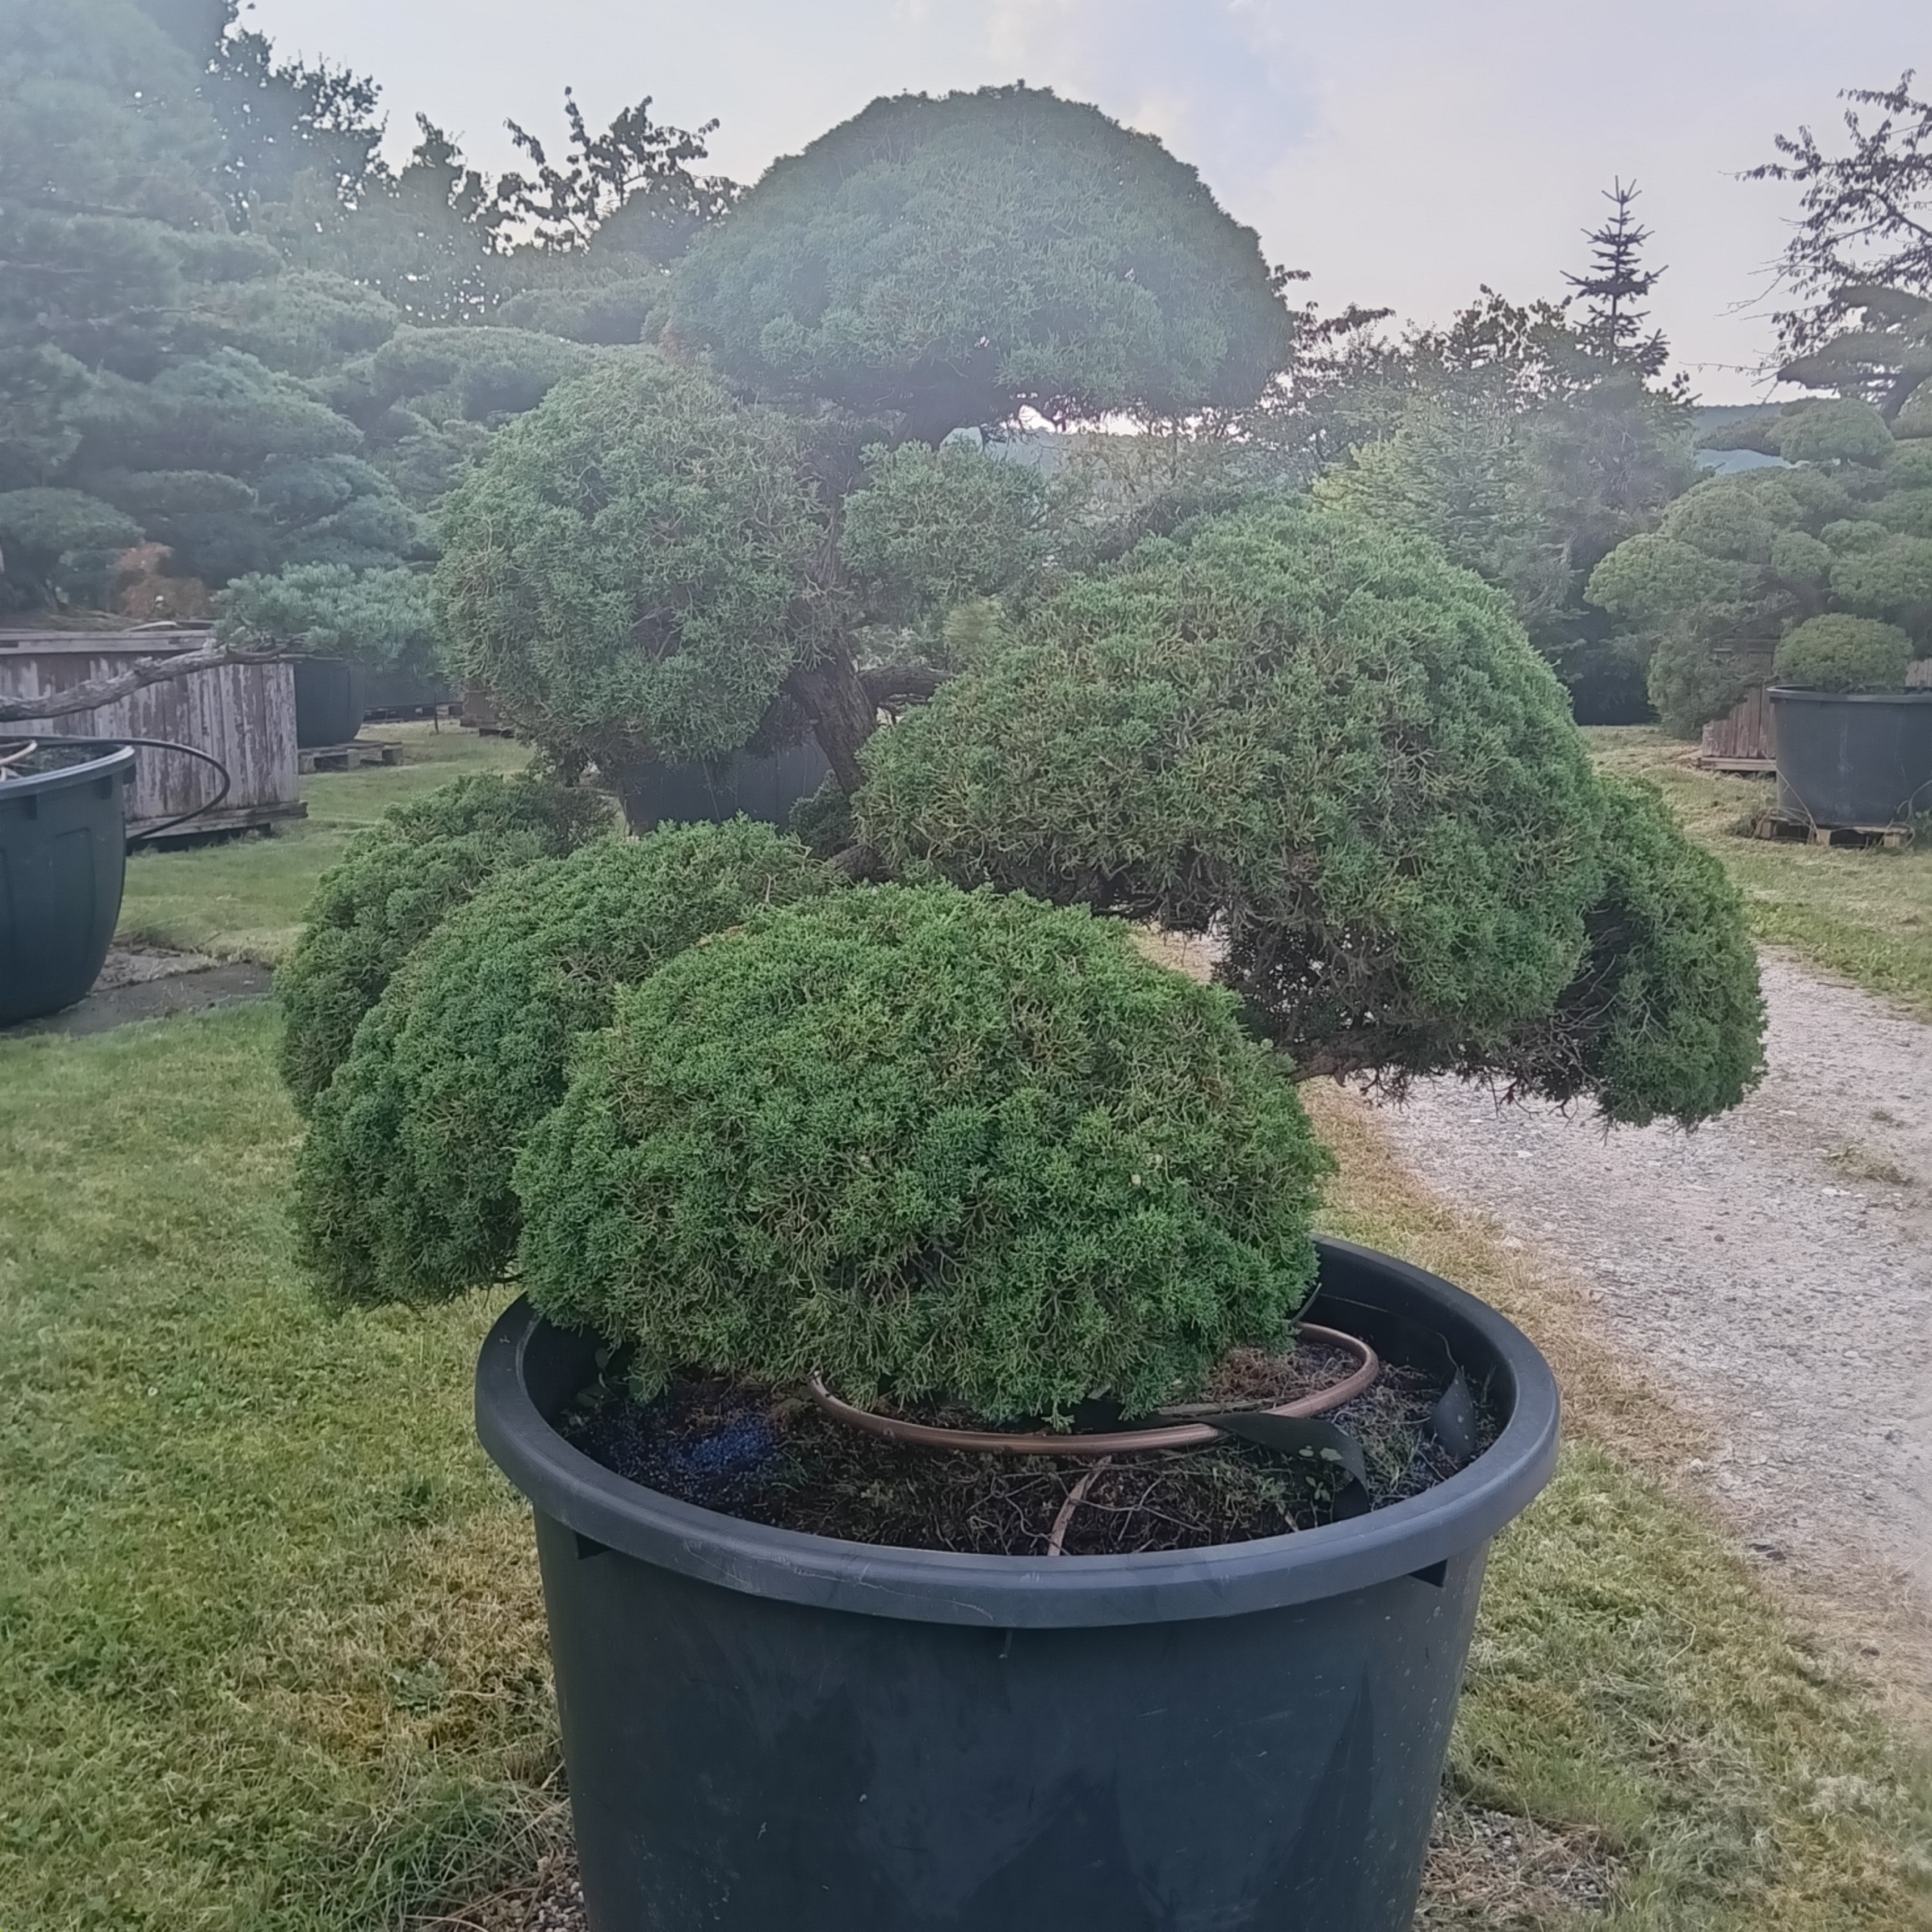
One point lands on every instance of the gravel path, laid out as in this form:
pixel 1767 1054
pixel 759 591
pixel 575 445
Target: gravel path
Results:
pixel 1775 1265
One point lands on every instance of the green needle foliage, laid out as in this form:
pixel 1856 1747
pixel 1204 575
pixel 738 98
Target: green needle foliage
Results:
pixel 952 260
pixel 403 1186
pixel 395 885
pixel 959 1145
pixel 1837 653
pixel 1325 741
pixel 627 568
pixel 1665 1017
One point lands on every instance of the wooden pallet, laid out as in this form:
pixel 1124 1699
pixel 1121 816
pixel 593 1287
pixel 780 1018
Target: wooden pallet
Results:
pixel 1797 831
pixel 228 820
pixel 1740 767
pixel 347 758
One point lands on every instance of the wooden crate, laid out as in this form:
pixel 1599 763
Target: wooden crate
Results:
pixel 1741 742
pixel 241 714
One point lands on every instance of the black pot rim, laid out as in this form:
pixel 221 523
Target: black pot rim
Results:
pixel 110 765
pixel 1811 694
pixel 606 1511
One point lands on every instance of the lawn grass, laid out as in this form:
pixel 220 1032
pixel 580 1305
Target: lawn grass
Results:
pixel 1867 914
pixel 275 1645
pixel 244 898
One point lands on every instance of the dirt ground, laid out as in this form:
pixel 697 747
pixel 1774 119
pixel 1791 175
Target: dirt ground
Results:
pixel 1773 1269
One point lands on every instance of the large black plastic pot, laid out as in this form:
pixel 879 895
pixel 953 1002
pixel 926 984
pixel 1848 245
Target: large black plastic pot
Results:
pixel 63 862
pixel 764 1729
pixel 763 786
pixel 330 695
pixel 1853 757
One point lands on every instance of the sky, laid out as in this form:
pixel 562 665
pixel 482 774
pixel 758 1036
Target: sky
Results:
pixel 1403 151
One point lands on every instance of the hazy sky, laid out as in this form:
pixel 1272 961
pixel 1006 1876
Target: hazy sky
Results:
pixel 1404 152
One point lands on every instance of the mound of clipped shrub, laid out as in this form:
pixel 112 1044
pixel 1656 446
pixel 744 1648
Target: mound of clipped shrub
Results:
pixel 1664 1016
pixel 403 1186
pixel 958 1145
pixel 1327 741
pixel 394 885
pixel 1838 653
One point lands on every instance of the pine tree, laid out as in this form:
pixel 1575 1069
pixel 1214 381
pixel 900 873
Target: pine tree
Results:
pixel 1614 289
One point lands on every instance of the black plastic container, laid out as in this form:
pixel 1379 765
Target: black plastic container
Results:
pixel 1853 757
pixel 763 785
pixel 62 863
pixel 765 1729
pixel 331 696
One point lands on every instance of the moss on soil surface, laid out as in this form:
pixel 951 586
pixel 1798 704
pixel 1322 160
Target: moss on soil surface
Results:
pixel 1866 914
pixel 244 898
pixel 275 1649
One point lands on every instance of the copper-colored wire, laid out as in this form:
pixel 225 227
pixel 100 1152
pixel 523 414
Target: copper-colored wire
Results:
pixel 1112 1442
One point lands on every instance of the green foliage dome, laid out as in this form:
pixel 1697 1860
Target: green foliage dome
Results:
pixel 964 1146
pixel 953 258
pixel 394 886
pixel 1665 1017
pixel 403 1186
pixel 1834 431
pixel 1892 580
pixel 629 568
pixel 1325 742
pixel 1840 653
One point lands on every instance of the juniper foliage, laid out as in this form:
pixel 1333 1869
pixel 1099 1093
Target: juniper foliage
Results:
pixel 403 1185
pixel 394 885
pixel 958 1145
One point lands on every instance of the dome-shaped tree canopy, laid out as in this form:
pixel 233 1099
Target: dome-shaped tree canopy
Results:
pixel 954 258
pixel 628 569
pixel 403 1187
pixel 1329 744
pixel 955 1145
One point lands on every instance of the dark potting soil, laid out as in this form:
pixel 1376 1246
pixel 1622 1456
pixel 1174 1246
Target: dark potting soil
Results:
pixel 772 1457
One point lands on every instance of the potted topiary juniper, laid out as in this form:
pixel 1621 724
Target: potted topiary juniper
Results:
pixel 960 1486
pixel 1854 745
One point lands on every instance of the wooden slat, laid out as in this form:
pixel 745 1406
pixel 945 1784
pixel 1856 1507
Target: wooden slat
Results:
pixel 242 714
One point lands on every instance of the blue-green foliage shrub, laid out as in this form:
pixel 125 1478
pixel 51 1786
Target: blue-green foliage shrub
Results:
pixel 935 1144
pixel 397 882
pixel 403 1186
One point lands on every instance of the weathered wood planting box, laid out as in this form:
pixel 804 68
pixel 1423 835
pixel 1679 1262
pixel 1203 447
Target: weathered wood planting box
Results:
pixel 242 714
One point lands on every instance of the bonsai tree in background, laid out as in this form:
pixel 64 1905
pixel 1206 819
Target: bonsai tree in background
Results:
pixel 1837 653
pixel 932 265
pixel 1743 559
pixel 384 618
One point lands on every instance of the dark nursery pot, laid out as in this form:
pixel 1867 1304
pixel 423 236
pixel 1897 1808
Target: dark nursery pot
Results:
pixel 766 1729
pixel 330 695
pixel 763 786
pixel 62 863
pixel 1853 757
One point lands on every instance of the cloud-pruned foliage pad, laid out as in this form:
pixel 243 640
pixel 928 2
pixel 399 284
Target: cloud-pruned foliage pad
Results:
pixel 962 1145
pixel 403 1186
pixel 397 881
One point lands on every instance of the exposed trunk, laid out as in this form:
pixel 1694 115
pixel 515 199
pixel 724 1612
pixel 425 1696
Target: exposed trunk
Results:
pixel 843 714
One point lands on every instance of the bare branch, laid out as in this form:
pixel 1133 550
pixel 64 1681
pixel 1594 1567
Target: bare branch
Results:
pixel 888 684
pixel 144 671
